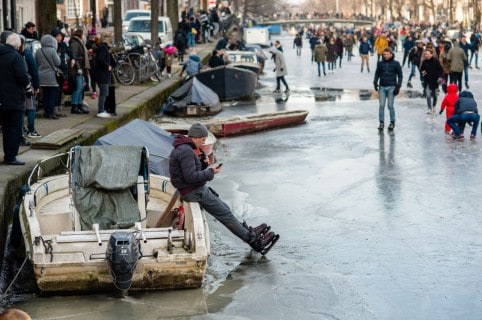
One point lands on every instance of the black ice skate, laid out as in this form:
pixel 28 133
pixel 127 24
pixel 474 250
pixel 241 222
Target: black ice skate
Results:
pixel 262 228
pixel 264 242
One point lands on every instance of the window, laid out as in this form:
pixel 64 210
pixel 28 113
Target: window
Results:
pixel 73 8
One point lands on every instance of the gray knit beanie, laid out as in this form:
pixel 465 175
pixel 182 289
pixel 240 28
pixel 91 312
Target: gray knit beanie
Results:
pixel 198 130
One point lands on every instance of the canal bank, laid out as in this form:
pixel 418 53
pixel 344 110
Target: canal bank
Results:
pixel 141 101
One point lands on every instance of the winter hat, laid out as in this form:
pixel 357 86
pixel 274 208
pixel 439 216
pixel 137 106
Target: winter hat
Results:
pixel 4 36
pixel 198 130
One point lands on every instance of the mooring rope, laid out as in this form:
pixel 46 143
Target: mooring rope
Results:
pixel 14 278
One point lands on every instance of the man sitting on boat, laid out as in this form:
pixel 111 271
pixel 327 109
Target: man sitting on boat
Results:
pixel 189 175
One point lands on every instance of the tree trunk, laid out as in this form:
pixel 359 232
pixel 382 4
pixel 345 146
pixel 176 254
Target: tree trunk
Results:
pixel 117 21
pixel 172 13
pixel 46 19
pixel 154 21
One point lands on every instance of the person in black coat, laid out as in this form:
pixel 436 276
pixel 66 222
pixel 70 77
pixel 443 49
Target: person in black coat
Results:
pixel 65 55
pixel 14 80
pixel 29 31
pixel 432 71
pixel 103 73
pixel 216 59
pixel 180 41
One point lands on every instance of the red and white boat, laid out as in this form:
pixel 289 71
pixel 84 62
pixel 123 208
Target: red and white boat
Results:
pixel 249 124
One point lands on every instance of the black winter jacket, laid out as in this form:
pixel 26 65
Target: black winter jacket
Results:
pixel 389 72
pixel 433 70
pixel 102 64
pixel 465 103
pixel 185 167
pixel 13 79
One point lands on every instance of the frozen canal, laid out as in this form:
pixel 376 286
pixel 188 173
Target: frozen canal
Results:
pixel 373 226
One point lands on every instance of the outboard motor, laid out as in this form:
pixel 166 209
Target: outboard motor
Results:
pixel 123 253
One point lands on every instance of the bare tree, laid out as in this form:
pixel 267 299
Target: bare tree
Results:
pixel 172 12
pixel 477 13
pixel 154 21
pixel 117 21
pixel 431 6
pixel 46 16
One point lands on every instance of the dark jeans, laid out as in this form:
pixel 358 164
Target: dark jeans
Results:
pixel 466 73
pixel 49 99
pixel 456 77
pixel 278 84
pixel 322 63
pixel 386 95
pixel 103 93
pixel 218 209
pixel 412 72
pixel 12 133
pixel 78 92
pixel 463 118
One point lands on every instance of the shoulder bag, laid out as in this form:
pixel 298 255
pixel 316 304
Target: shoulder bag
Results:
pixel 59 75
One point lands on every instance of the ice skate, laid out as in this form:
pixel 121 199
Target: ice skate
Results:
pixel 262 228
pixel 264 242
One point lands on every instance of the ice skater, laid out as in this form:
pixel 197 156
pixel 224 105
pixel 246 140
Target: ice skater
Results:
pixel 189 175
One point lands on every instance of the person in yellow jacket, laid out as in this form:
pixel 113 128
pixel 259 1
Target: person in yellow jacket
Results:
pixel 381 43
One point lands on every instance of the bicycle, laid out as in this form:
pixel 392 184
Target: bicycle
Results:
pixel 124 70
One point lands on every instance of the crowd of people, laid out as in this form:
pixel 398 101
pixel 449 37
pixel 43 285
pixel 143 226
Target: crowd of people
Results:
pixel 432 56
pixel 46 73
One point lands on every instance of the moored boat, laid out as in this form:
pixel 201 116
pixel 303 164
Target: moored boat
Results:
pixel 107 223
pixel 192 99
pixel 253 123
pixel 229 83
pixel 244 60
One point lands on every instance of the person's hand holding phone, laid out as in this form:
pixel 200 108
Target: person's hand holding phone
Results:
pixel 217 168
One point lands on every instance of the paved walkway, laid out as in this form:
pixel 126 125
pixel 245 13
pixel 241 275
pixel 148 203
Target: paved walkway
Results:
pixel 131 103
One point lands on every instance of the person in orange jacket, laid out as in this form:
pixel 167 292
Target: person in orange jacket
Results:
pixel 448 104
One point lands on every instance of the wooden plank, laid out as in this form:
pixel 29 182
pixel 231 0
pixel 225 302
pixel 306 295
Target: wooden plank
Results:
pixel 57 139
pixel 176 234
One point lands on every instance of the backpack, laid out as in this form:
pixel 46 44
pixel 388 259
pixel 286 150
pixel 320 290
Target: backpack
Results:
pixel 179 38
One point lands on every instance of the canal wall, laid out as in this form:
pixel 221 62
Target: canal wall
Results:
pixel 133 102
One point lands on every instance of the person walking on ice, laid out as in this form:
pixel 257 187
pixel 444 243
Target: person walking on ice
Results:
pixel 388 80
pixel 280 68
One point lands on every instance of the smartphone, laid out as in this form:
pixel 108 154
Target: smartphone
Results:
pixel 219 166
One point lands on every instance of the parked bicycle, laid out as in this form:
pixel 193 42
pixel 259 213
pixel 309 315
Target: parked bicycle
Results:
pixel 138 64
pixel 124 71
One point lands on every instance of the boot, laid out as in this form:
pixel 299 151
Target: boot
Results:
pixel 84 111
pixel 75 109
pixel 391 126
pixel 409 84
pixel 262 228
pixel 258 243
pixel 381 126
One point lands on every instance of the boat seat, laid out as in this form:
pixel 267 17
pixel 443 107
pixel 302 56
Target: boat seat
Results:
pixel 55 222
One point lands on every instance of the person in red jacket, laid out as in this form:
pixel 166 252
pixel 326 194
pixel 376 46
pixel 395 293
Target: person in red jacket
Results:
pixel 448 104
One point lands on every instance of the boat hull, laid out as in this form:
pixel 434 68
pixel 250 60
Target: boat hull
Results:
pixel 251 124
pixel 229 83
pixel 193 110
pixel 68 261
